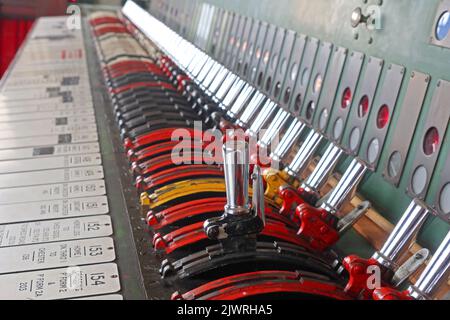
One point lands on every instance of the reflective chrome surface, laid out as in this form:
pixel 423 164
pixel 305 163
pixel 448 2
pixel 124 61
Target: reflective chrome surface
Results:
pixel 323 170
pixel 305 154
pixel 346 187
pixel 236 167
pixel 435 274
pixel 403 235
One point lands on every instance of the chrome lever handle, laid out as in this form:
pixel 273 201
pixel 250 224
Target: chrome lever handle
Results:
pixel 258 194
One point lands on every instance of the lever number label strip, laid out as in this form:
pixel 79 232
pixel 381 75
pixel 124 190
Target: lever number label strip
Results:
pixel 49 151
pixel 56 255
pixel 54 230
pixel 52 192
pixel 62 283
pixel 23 179
pixel 24 165
pixel 55 209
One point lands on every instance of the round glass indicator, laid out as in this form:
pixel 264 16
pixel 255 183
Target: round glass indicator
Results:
pixel 443 26
pixel 346 98
pixel 383 117
pixel 363 106
pixel 431 141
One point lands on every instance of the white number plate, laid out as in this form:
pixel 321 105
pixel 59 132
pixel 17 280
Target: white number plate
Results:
pixel 55 209
pixel 56 255
pixel 44 108
pixel 48 151
pixel 50 163
pixel 22 179
pixel 52 192
pixel 54 230
pixel 45 115
pixel 61 283
pixel 44 131
pixel 48 140
pixel 37 125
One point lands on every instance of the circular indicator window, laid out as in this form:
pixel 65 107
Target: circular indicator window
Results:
pixel 298 103
pixel 444 199
pixel 323 119
pixel 419 180
pixel 317 83
pixel 283 67
pixel 232 41
pixel 294 70
pixel 363 106
pixel 431 141
pixel 346 98
pixel 287 95
pixel 338 128
pixel 253 75
pixel 238 43
pixel 355 136
pixel 373 150
pixel 383 117
pixel 250 49
pixel 244 46
pixel 266 57
pixel 305 76
pixel 274 61
pixel 395 162
pixel 277 90
pixel 258 53
pixel 310 109
pixel 443 26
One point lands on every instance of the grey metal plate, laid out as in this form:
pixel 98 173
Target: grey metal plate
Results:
pixel 215 34
pixel 232 40
pixel 304 75
pixel 442 198
pixel 329 89
pixel 375 136
pixel 407 121
pixel 438 117
pixel 292 71
pixel 315 88
pixel 358 116
pixel 248 60
pixel 257 53
pixel 244 48
pixel 274 60
pixel 19 234
pixel 222 35
pixel 56 255
pixel 444 6
pixel 225 40
pixel 339 114
pixel 266 56
pixel 61 283
pixel 283 65
pixel 53 209
pixel 243 22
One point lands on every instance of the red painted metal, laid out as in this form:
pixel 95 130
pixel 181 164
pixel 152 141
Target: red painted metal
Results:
pixel 318 226
pixel 194 233
pixel 254 284
pixel 390 294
